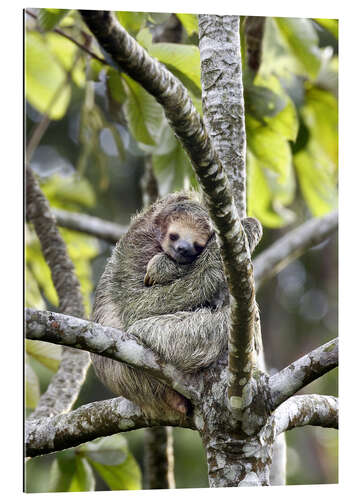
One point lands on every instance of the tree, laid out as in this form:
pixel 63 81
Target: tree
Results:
pixel 239 433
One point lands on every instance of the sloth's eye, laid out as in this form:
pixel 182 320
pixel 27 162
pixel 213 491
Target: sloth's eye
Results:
pixel 173 236
pixel 198 248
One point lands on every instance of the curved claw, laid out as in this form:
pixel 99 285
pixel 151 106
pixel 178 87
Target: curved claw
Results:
pixel 148 281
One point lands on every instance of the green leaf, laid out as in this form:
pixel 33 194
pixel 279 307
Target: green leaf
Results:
pixel 159 17
pixel 261 102
pixel 143 113
pixel 285 120
pixel 83 479
pixel 69 192
pixel 65 52
pixel 49 18
pixel 132 21
pixel 180 59
pixel 317 181
pixel 189 22
pixel 33 297
pixel 144 37
pixel 267 198
pixel 71 472
pixel 94 68
pixel 301 37
pixel 45 78
pixel 115 464
pixel 269 147
pixel 320 114
pixel 116 86
pixel 32 387
pixel 329 24
pixel 47 354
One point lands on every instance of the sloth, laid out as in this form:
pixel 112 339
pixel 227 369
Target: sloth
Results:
pixel 165 284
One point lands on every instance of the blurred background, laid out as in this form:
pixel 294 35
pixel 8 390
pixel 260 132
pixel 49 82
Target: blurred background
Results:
pixel 99 134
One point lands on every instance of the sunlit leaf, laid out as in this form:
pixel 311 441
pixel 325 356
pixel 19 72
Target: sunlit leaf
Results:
pixel 32 387
pixel 83 478
pixel 110 450
pixel 50 18
pixel 33 297
pixel 301 37
pixel 45 78
pixel 317 183
pixel 144 37
pixel 44 352
pixel 329 24
pixel 269 147
pixel 189 22
pixel 320 114
pixel 68 191
pixel 116 86
pixel 66 52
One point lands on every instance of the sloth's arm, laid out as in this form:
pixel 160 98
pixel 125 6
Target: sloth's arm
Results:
pixel 162 270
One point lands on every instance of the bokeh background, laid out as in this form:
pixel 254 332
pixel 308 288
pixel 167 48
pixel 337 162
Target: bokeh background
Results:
pixel 93 155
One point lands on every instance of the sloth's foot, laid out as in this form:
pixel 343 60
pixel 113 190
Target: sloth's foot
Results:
pixel 177 402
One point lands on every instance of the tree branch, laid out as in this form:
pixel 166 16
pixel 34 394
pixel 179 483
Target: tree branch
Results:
pixel 189 128
pixel 98 419
pixel 95 226
pixel 106 341
pixel 223 106
pixel 311 409
pixel 222 97
pixel 303 371
pixel 292 245
pixel 67 382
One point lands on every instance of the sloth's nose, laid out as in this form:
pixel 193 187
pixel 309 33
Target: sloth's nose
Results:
pixel 184 248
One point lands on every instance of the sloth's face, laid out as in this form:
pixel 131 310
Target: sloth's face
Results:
pixel 183 243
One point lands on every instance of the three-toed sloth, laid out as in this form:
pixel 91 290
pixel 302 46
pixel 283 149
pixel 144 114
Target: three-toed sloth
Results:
pixel 165 284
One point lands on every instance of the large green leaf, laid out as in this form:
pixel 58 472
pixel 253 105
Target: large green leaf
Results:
pixel 66 53
pixel 316 179
pixel 329 24
pixel 50 18
pixel 189 22
pixel 111 458
pixel 69 192
pixel 269 147
pixel 32 387
pixel 180 59
pixel 301 37
pixel 143 113
pixel 70 472
pixel 45 78
pixel 320 114
pixel 47 354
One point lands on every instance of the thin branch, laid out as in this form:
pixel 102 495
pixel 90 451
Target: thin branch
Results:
pixel 303 371
pixel 311 409
pixel 106 341
pixel 222 97
pixel 67 382
pixel 292 245
pixel 100 228
pixel 73 40
pixel 98 419
pixel 189 128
